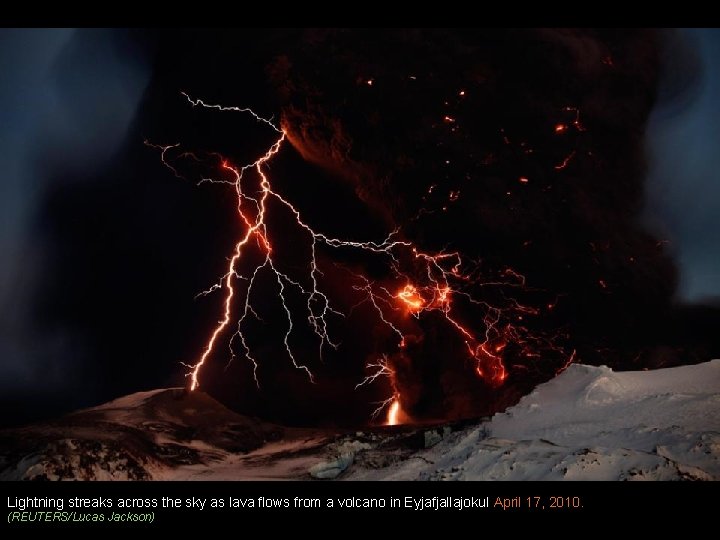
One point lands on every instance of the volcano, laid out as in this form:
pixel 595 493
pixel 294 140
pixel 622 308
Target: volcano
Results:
pixel 449 216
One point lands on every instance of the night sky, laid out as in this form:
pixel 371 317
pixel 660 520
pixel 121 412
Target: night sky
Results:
pixel 684 168
pixel 104 249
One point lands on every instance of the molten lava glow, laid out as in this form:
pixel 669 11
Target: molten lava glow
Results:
pixel 429 282
pixel 393 413
pixel 411 298
pixel 564 163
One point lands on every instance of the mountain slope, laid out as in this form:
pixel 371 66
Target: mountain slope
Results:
pixel 589 423
pixel 131 438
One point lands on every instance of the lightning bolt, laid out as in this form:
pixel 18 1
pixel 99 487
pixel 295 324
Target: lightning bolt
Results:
pixel 430 282
pixel 382 368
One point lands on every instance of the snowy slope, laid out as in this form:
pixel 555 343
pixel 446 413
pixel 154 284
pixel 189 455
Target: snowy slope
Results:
pixel 141 436
pixel 589 423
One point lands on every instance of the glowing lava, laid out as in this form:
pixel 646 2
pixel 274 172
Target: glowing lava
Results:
pixel 393 413
pixel 412 299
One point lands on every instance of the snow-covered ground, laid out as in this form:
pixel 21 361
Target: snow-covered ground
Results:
pixel 589 423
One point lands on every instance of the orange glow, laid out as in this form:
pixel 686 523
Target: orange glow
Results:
pixel 576 122
pixel 256 229
pixel 559 128
pixel 567 363
pixel 411 297
pixel 393 413
pixel 442 299
pixel 524 180
pixel 564 163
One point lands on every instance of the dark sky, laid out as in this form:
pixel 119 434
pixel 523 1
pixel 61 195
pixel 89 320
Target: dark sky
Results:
pixel 93 231
pixel 68 98
pixel 683 186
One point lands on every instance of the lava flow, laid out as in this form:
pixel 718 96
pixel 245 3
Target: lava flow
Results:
pixel 422 282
